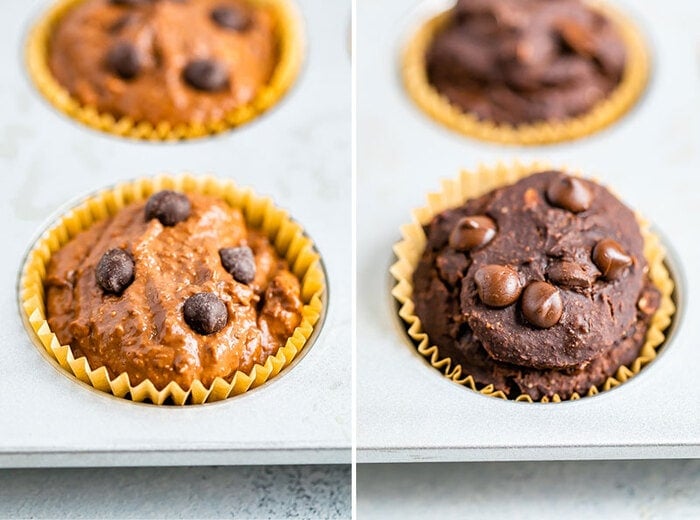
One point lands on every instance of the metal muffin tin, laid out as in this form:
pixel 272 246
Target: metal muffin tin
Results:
pixel 298 153
pixel 408 411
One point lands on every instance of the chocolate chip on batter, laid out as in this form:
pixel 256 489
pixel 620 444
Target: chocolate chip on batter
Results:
pixel 472 232
pixel 124 60
pixel 611 259
pixel 542 304
pixel 169 207
pixel 570 194
pixel 206 75
pixel 230 17
pixel 240 262
pixel 130 3
pixel 497 285
pixel 115 271
pixel 205 313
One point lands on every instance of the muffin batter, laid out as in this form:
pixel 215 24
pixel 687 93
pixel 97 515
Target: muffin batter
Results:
pixel 164 60
pixel 154 291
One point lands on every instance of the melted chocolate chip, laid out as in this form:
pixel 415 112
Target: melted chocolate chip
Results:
pixel 570 194
pixel 542 304
pixel 169 207
pixel 472 232
pixel 230 17
pixel 124 60
pixel 115 271
pixel 497 285
pixel 205 313
pixel 206 75
pixel 611 259
pixel 240 262
pixel 569 274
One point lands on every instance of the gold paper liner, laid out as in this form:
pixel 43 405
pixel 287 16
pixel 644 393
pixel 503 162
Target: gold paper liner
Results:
pixel 469 185
pixel 291 50
pixel 438 107
pixel 287 236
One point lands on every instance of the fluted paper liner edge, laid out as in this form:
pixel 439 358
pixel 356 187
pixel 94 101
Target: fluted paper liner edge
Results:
pixel 614 106
pixel 291 51
pixel 286 235
pixel 471 184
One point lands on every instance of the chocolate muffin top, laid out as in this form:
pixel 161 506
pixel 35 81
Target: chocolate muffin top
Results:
pixel 177 288
pixel 549 269
pixel 525 61
pixel 164 60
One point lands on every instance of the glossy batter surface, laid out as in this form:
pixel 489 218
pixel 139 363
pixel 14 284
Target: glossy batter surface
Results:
pixel 142 331
pixel 165 36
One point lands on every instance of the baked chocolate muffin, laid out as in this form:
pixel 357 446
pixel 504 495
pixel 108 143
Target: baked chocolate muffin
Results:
pixel 176 288
pixel 164 60
pixel 539 288
pixel 525 61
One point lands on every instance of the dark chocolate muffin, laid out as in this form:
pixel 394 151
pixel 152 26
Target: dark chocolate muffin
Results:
pixel 539 288
pixel 525 61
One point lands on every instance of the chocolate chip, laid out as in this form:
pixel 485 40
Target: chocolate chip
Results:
pixel 169 207
pixel 206 75
pixel 130 3
pixel 205 313
pixel 115 271
pixel 611 259
pixel 570 274
pixel 230 17
pixel 240 262
pixel 569 193
pixel 472 232
pixel 497 285
pixel 542 305
pixel 124 60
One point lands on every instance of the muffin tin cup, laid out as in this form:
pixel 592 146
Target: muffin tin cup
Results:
pixel 603 114
pixel 286 235
pixel 469 185
pixel 291 52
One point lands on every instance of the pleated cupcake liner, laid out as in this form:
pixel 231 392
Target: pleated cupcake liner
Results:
pixel 286 235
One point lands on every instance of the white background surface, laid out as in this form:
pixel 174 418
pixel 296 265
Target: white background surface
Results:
pixel 407 411
pixel 299 153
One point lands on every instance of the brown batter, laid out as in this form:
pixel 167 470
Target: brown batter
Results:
pixel 142 331
pixel 130 58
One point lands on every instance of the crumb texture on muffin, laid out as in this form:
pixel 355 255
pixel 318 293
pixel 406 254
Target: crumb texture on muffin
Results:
pixel 525 61
pixel 539 288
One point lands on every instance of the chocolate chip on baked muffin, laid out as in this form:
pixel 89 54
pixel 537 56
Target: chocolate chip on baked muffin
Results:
pixel 541 304
pixel 169 207
pixel 206 75
pixel 230 17
pixel 124 60
pixel 115 271
pixel 205 313
pixel 472 232
pixel 611 259
pixel 240 262
pixel 570 194
pixel 498 285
